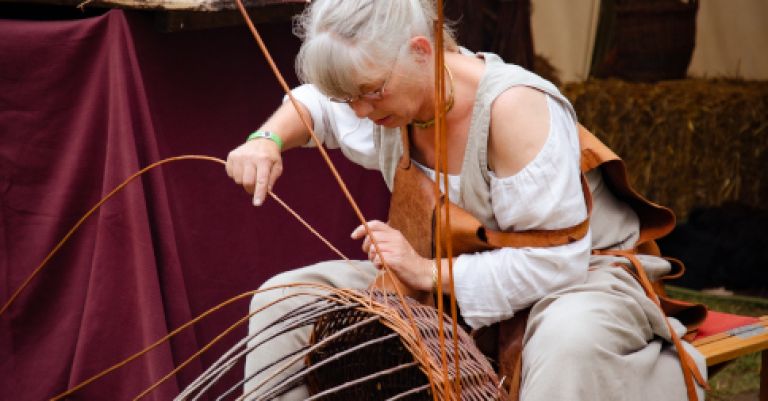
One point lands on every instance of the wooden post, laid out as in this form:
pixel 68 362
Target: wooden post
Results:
pixel 764 377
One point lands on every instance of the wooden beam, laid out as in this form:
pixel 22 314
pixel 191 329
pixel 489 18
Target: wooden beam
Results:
pixel 764 377
pixel 175 21
pixel 168 5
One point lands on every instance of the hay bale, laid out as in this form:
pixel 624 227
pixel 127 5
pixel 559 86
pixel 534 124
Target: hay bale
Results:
pixel 687 143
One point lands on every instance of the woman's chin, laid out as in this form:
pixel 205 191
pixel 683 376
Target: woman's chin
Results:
pixel 388 121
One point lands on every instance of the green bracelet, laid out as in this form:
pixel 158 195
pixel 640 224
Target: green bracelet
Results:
pixel 267 135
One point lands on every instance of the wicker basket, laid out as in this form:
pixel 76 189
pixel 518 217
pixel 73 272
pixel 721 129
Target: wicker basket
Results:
pixel 388 369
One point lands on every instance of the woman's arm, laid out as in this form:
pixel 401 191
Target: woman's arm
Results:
pixel 534 185
pixel 257 164
pixel 519 128
pixel 335 126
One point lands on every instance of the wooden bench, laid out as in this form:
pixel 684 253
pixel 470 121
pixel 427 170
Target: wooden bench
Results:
pixel 733 343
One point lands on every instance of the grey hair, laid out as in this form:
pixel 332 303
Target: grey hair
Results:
pixel 347 43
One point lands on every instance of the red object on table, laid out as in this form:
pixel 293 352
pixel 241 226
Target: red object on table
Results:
pixel 718 322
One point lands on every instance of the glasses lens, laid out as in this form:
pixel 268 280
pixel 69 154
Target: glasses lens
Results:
pixel 378 94
pixel 375 95
pixel 340 99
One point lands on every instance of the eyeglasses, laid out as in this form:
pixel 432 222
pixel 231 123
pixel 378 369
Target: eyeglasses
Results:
pixel 377 94
pixel 373 95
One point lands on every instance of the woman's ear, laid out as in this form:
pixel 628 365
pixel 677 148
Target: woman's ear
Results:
pixel 421 48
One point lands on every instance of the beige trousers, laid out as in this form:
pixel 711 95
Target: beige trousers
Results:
pixel 338 274
pixel 600 340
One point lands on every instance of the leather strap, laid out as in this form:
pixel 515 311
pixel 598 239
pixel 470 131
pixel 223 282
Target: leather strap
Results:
pixel 412 211
pixel 413 201
pixel 688 366
pixel 467 230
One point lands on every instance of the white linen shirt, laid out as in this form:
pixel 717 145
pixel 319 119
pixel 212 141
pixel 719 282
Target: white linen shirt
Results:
pixel 491 286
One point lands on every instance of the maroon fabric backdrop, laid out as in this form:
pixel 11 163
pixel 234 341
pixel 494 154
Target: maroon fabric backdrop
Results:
pixel 84 104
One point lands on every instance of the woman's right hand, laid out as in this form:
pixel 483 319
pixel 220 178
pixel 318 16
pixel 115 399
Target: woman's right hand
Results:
pixel 255 165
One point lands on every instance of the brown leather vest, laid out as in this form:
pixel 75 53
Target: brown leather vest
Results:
pixel 412 211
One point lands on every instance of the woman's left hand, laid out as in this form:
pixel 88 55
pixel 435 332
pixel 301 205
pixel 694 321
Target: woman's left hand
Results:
pixel 410 267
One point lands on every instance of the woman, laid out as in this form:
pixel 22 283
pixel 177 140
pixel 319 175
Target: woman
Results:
pixel 513 161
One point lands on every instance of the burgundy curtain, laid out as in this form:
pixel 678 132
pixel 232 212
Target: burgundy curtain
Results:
pixel 84 104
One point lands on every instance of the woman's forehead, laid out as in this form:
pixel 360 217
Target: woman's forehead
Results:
pixel 345 80
pixel 340 68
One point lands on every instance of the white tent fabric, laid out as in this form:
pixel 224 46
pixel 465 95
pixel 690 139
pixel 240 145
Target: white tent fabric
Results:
pixel 731 37
pixel 564 33
pixel 731 40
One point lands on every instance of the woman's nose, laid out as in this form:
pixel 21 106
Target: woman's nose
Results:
pixel 361 108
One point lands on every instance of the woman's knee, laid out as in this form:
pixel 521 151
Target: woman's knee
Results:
pixel 560 339
pixel 581 327
pixel 283 285
pixel 280 294
pixel 275 298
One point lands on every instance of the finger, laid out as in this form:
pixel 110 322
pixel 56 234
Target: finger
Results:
pixel 358 232
pixel 366 244
pixel 382 232
pixel 274 174
pixel 376 259
pixel 377 225
pixel 249 178
pixel 262 180
pixel 228 165
pixel 379 238
pixel 373 252
pixel 375 245
pixel 373 225
pixel 237 174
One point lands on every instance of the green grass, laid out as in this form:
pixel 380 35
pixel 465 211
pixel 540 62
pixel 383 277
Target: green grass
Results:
pixel 742 375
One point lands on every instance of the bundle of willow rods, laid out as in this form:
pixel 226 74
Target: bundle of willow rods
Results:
pixel 687 143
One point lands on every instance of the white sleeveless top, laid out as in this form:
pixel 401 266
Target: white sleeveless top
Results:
pixel 491 286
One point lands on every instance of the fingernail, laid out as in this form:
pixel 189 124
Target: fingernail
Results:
pixel 257 201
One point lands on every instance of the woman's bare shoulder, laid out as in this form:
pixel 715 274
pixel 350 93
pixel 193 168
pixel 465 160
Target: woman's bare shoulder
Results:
pixel 519 129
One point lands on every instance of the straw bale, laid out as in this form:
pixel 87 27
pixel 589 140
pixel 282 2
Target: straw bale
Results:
pixel 687 143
